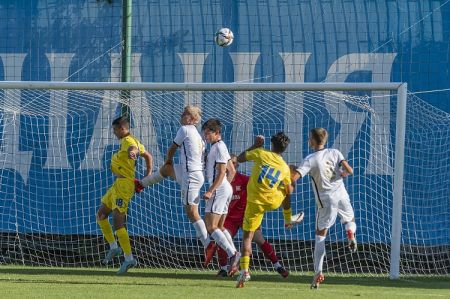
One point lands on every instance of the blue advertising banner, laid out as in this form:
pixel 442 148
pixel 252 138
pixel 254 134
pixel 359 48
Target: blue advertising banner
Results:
pixel 275 41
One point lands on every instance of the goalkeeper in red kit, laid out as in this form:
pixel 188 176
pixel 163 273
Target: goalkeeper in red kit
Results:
pixel 233 223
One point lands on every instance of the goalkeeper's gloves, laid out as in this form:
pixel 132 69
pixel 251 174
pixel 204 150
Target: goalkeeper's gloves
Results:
pixel 138 188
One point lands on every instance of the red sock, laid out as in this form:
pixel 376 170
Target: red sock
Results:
pixel 223 257
pixel 269 252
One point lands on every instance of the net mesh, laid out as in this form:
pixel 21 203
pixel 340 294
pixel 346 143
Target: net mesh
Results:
pixel 56 147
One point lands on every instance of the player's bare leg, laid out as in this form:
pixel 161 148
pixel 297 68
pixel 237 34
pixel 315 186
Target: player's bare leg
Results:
pixel 165 171
pixel 198 223
pixel 192 213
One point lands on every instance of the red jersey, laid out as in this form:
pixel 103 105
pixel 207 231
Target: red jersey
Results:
pixel 236 209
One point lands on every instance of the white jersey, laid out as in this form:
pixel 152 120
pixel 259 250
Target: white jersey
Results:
pixel 218 154
pixel 323 167
pixel 192 148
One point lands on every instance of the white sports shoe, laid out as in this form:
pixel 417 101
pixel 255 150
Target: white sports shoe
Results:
pixel 295 219
pixel 127 265
pixel 352 244
pixel 233 264
pixel 243 277
pixel 111 254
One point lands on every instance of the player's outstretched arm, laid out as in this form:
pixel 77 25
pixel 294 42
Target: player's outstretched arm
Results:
pixel 221 169
pixel 259 142
pixel 231 171
pixel 291 220
pixel 295 175
pixel 347 169
pixel 133 152
pixel 148 162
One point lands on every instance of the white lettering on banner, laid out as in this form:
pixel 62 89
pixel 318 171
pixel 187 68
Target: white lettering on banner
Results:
pixel 102 135
pixel 294 69
pixel 56 150
pixel 10 155
pixel 244 70
pixel 193 64
pixel 141 117
pixel 380 64
pixel 143 127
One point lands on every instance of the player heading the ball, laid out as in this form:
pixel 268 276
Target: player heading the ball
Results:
pixel 188 174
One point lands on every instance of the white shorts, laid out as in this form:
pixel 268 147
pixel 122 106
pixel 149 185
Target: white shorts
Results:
pixel 190 184
pixel 218 203
pixel 326 216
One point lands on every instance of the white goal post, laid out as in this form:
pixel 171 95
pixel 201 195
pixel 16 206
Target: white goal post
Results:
pixel 193 94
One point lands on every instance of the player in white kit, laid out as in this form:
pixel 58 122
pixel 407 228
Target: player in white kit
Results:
pixel 327 167
pixel 188 174
pixel 219 172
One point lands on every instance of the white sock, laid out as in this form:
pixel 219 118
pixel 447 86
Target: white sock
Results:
pixel 319 253
pixel 224 268
pixel 277 265
pixel 113 245
pixel 202 233
pixel 351 226
pixel 154 178
pixel 222 241
pixel 229 238
pixel 128 257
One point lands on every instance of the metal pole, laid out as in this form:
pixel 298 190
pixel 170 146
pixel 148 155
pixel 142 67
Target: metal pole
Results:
pixel 126 51
pixel 396 234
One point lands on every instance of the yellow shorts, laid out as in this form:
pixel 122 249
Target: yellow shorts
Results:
pixel 254 214
pixel 119 195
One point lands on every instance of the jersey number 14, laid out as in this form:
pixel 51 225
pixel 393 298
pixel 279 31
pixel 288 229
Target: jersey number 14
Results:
pixel 270 174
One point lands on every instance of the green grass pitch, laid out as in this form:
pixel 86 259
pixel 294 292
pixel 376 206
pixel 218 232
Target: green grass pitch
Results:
pixel 34 282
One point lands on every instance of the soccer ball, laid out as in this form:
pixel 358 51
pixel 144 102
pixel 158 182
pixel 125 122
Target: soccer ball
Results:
pixel 224 37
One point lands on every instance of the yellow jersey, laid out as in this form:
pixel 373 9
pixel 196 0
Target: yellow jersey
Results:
pixel 121 164
pixel 270 174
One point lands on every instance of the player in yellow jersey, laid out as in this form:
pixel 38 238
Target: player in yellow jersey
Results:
pixel 269 187
pixel 118 196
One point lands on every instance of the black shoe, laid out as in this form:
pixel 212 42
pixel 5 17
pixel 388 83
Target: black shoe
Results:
pixel 283 271
pixel 222 273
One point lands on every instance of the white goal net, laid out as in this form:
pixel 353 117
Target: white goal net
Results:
pixel 56 146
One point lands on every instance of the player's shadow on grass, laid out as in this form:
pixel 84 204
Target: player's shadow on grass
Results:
pixel 199 277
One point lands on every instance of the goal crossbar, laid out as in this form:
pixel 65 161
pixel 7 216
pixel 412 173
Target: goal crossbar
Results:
pixel 328 86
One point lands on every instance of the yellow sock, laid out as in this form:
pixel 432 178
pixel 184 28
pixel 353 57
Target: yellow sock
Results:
pixel 106 230
pixel 124 240
pixel 287 215
pixel 244 263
